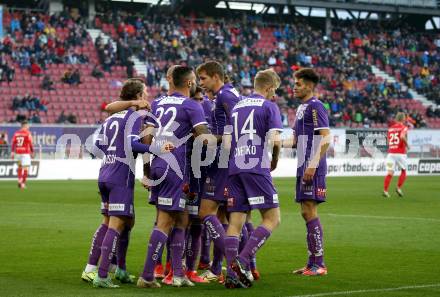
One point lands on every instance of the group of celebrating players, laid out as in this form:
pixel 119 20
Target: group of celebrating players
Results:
pixel 243 134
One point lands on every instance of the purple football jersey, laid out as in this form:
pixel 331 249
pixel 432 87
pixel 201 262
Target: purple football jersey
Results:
pixel 226 98
pixel 311 117
pixel 114 146
pixel 175 118
pixel 252 118
pixel 208 107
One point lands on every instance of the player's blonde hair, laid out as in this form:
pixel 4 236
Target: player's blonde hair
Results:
pixel 400 116
pixel 266 79
pixel 170 70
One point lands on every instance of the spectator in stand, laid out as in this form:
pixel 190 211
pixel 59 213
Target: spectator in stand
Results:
pixel 67 77
pixel 62 118
pixel 4 147
pixel 97 73
pixel 76 77
pixel 35 118
pixel 35 68
pixel 47 83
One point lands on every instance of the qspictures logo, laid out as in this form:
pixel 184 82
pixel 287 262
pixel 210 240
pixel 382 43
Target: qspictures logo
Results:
pixel 8 169
pixel 429 166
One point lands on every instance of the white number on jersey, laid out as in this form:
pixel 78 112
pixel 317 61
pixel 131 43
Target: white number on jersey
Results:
pixel 164 131
pixel 394 138
pixel 248 126
pixel 20 141
pixel 114 125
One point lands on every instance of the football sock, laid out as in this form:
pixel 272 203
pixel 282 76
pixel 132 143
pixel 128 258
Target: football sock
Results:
pixel 231 251
pixel 123 247
pixel 168 247
pixel 159 260
pixel 217 234
pixel 250 229
pixel 218 254
pixel 108 250
pixel 315 241
pixel 155 248
pixel 20 174
pixel 176 248
pixel 193 246
pixel 402 179
pixel 95 249
pixel 255 242
pixel 387 182
pixel 244 236
pixel 206 246
pixel 25 174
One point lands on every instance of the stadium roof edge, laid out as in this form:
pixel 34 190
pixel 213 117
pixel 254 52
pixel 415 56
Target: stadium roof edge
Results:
pixel 350 6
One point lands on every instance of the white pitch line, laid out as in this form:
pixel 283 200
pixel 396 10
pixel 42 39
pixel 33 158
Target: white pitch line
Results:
pixel 369 291
pixel 382 217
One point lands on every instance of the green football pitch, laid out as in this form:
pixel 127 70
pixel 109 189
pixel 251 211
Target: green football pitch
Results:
pixel 373 246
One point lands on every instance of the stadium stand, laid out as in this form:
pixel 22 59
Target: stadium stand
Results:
pixel 353 95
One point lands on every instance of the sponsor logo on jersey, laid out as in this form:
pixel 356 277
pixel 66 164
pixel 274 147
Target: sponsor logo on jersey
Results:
pixel 116 207
pixel 182 203
pixel 165 201
pixel 275 198
pixel 256 200
pixel 321 192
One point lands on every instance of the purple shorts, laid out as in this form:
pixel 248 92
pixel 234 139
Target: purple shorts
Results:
pixel 168 195
pixel 249 191
pixel 316 190
pixel 215 187
pixel 116 200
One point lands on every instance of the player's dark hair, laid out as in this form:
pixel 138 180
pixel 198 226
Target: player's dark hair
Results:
pixel 228 79
pixel 181 75
pixel 198 90
pixel 23 123
pixel 131 88
pixel 307 74
pixel 212 68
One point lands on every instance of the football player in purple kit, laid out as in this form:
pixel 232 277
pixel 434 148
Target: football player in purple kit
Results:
pixel 212 77
pixel 311 136
pixel 177 118
pixel 194 192
pixel 256 132
pixel 116 185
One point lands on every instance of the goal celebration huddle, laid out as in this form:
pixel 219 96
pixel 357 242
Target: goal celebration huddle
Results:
pixel 208 154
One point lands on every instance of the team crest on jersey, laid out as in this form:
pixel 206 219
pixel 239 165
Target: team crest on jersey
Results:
pixel 231 202
pixel 321 192
pixel 300 111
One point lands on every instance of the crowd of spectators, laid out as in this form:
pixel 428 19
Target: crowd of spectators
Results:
pixel 348 52
pixel 350 91
pixel 33 41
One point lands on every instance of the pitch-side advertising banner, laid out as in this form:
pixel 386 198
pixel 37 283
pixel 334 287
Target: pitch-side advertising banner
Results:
pixel 89 169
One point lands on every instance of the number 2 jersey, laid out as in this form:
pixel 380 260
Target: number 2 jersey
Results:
pixel 395 134
pixel 118 161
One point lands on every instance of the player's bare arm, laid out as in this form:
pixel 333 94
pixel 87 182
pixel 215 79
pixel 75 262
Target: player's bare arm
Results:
pixel 324 144
pixel 289 142
pixel 118 106
pixel 148 140
pixel 275 141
